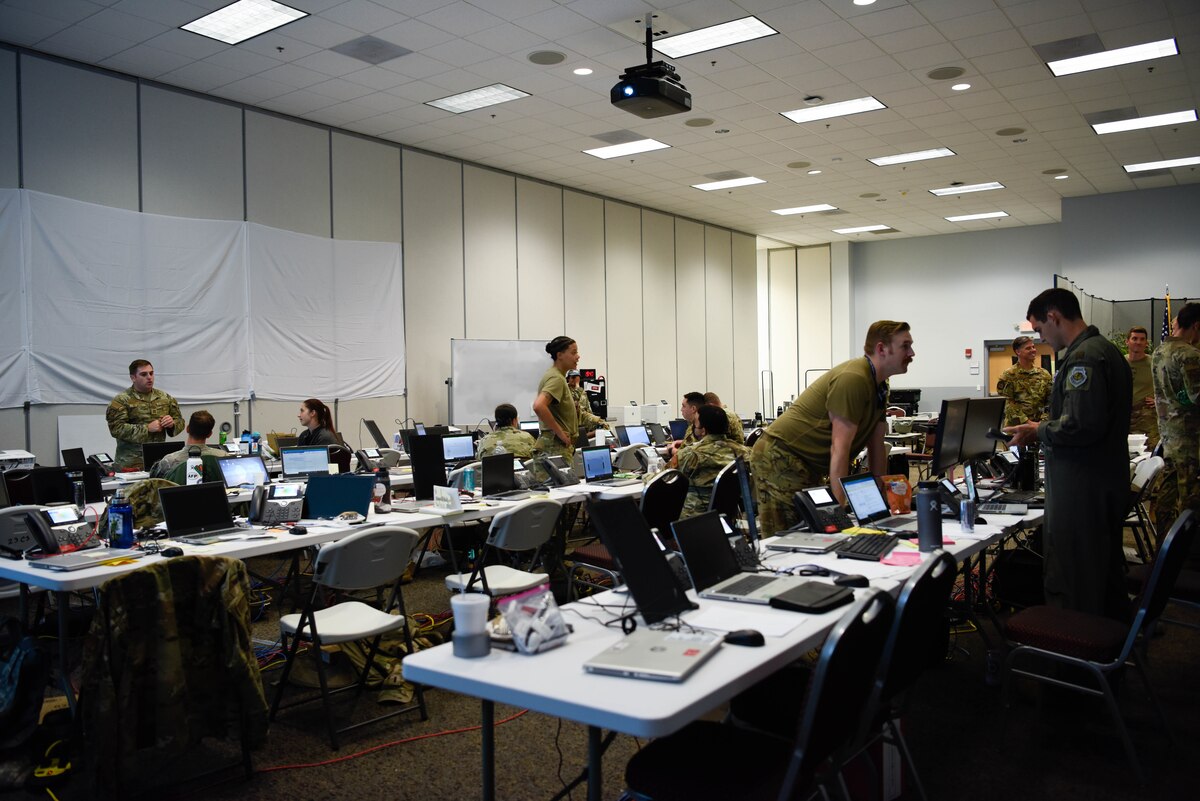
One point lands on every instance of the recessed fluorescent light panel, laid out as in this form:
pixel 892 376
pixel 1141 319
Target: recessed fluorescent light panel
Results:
pixel 1114 58
pixel 920 155
pixel 243 20
pixel 730 184
pixel 862 229
pixel 478 98
pixel 805 209
pixel 1137 123
pixel 962 190
pixel 842 109
pixel 714 36
pixel 626 149
pixel 1162 165
pixel 987 215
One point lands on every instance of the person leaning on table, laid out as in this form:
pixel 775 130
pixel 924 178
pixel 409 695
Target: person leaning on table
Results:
pixel 554 404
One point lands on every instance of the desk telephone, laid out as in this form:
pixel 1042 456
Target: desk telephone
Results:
pixel 821 510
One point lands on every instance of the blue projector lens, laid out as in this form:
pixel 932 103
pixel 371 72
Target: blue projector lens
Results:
pixel 628 91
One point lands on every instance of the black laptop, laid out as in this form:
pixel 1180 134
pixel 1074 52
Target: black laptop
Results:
pixel 198 514
pixel 714 568
pixel 499 478
pixel 153 451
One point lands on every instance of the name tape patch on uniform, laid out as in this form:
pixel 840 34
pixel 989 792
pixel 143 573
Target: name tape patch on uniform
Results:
pixel 1078 376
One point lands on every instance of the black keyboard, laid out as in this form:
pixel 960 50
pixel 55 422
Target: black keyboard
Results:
pixel 871 547
pixel 747 585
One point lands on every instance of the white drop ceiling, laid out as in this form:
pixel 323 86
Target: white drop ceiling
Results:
pixel 830 48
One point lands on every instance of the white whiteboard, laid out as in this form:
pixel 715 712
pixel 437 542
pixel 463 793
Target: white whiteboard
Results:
pixel 487 372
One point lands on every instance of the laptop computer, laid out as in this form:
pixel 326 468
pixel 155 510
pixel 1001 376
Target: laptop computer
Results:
pixel 679 429
pixel 458 448
pixel 807 542
pixel 714 569
pixel 243 471
pixel 530 427
pixel 307 461
pixel 198 514
pixel 633 435
pixel 655 655
pixel 376 434
pixel 598 468
pixel 73 458
pixel 327 496
pixel 153 451
pixel 499 478
pixel 657 434
pixel 80 560
pixel 656 590
pixel 870 506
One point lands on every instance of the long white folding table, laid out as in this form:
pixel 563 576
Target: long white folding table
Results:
pixel 555 683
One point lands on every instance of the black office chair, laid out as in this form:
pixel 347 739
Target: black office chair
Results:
pixel 662 500
pixel 694 763
pixel 1096 647
pixel 19 487
pixel 340 455
pixel 753 436
pixel 726 494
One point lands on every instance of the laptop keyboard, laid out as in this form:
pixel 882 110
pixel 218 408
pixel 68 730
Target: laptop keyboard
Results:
pixel 1019 496
pixel 747 585
pixel 871 547
pixel 1003 508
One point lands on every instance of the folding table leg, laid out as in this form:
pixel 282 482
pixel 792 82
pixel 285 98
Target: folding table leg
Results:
pixel 488 732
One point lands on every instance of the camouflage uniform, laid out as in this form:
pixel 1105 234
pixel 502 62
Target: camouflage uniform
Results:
pixel 1085 439
pixel 1143 419
pixel 1026 391
pixel 1176 366
pixel 701 463
pixel 168 463
pixel 734 434
pixel 143 497
pixel 583 408
pixel 562 408
pixel 507 439
pixel 128 417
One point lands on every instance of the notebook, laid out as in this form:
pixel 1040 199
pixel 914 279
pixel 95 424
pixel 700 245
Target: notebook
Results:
pixel 79 560
pixel 714 568
pixel 655 655
pixel 306 461
pixel 870 507
pixel 198 514
pixel 243 471
pixel 598 469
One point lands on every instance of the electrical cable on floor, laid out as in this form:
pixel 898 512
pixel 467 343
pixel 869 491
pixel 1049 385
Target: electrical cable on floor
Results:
pixel 558 749
pixel 383 746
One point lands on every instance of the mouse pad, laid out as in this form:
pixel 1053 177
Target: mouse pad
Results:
pixel 813 597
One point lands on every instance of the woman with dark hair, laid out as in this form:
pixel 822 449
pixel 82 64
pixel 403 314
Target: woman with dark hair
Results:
pixel 554 404
pixel 317 421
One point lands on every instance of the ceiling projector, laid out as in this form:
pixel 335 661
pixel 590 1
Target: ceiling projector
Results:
pixel 651 90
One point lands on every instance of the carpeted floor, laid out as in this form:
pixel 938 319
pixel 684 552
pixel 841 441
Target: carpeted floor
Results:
pixel 1053 747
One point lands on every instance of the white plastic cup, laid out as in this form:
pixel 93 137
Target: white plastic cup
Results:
pixel 470 612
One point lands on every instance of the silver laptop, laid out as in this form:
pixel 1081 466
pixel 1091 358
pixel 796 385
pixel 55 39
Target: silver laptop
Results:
pixel 598 468
pixel 198 514
pixel 714 568
pixel 655 655
pixel 78 560
pixel 870 507
pixel 807 542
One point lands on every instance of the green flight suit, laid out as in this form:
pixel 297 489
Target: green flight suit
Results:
pixel 1176 366
pixel 587 419
pixel 701 463
pixel 128 416
pixel 1085 439
pixel 1025 393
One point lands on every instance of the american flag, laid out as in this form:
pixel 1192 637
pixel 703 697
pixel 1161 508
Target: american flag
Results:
pixel 1166 325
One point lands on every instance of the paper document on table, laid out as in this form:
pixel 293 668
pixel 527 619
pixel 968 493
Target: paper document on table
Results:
pixel 719 618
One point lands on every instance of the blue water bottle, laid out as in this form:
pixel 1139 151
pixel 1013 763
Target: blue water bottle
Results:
pixel 120 522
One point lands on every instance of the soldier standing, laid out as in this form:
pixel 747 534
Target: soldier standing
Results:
pixel 1025 386
pixel 1085 439
pixel 554 404
pixel 587 420
pixel 1176 365
pixel 1142 416
pixel 140 414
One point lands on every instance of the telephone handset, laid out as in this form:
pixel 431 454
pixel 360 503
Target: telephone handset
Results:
pixel 821 510
pixel 39 528
pixel 103 462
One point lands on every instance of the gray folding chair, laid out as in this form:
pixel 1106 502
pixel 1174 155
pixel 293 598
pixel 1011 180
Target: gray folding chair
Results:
pixel 525 527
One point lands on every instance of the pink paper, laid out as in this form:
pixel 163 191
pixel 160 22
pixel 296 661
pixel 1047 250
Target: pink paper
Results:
pixel 901 559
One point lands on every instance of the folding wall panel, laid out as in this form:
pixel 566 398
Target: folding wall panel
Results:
pixel 718 308
pixel 287 174
pixel 623 294
pixel 659 349
pixel 584 279
pixel 813 314
pixel 541 304
pixel 781 308
pixel 745 327
pixel 9 157
pixel 79 133
pixel 366 189
pixel 490 253
pixel 690 324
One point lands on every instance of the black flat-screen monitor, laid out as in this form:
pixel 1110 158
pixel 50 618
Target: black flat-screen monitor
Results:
pixel 982 414
pixel 747 499
pixel 376 434
pixel 52 485
pixel 428 465
pixel 951 420
pixel 153 451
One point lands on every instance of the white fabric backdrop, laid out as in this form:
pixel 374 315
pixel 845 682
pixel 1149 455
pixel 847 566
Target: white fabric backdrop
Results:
pixel 222 308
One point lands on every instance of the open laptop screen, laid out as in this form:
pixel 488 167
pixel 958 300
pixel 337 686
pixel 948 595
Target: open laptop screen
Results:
pixel 597 463
pixel 243 471
pixel 531 426
pixel 376 434
pixel 327 496
pixel 679 429
pixel 865 497
pixel 637 435
pixel 305 461
pixel 153 451
pixel 195 509
pixel 498 473
pixel 457 447
pixel 705 547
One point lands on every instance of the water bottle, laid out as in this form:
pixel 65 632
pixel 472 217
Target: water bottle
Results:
pixel 383 490
pixel 929 516
pixel 256 444
pixel 195 469
pixel 397 443
pixel 224 436
pixel 78 494
pixel 468 479
pixel 966 515
pixel 120 522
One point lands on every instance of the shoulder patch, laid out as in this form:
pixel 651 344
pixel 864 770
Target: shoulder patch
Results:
pixel 1077 377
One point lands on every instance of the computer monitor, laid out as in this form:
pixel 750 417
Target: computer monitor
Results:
pixel 950 424
pixel 243 471
pixel 376 434
pixel 530 426
pixel 74 458
pixel 747 499
pixel 153 451
pixel 428 465
pixel 458 447
pixel 307 461
pixel 51 485
pixel 982 414
pixel 327 496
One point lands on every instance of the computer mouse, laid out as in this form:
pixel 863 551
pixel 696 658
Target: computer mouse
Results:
pixel 980 521
pixel 749 637
pixel 350 517
pixel 172 551
pixel 298 530
pixel 852 580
